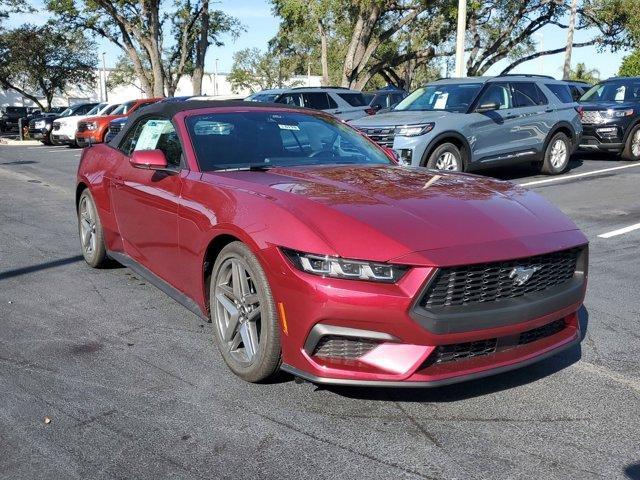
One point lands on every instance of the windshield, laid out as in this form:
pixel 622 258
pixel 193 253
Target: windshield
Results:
pixel 95 110
pixel 263 97
pixel 109 109
pixel 269 139
pixel 123 108
pixel 622 90
pixel 67 112
pixel 449 97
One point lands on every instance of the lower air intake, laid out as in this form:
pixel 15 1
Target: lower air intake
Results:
pixel 334 346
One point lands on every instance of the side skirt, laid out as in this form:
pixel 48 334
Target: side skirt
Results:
pixel 159 283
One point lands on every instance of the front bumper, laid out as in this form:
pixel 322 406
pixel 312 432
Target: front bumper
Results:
pixel 62 137
pixel 404 351
pixel 607 137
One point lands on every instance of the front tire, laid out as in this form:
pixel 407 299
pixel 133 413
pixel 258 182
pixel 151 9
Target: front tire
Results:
pixel 446 157
pixel 243 312
pixel 90 231
pixel 556 155
pixel 632 148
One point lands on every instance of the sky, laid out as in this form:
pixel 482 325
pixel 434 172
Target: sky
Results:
pixel 261 26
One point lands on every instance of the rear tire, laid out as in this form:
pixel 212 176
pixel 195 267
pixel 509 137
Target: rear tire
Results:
pixel 632 148
pixel 556 155
pixel 446 157
pixel 246 326
pixel 90 231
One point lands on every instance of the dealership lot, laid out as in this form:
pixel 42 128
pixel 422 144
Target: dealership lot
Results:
pixel 135 388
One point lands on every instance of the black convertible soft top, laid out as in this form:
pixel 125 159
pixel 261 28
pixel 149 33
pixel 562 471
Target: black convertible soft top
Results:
pixel 170 109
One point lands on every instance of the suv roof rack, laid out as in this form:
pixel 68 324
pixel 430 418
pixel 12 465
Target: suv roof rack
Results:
pixel 328 86
pixel 537 75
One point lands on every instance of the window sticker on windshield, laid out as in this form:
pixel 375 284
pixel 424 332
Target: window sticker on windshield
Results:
pixel 284 126
pixel 151 133
pixel 208 127
pixel 441 102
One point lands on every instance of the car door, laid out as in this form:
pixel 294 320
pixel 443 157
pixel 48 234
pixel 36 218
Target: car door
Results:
pixel 534 119
pixel 146 202
pixel 491 132
pixel 321 101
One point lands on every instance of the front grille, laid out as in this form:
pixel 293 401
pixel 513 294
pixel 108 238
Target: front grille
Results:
pixel 490 282
pixel 591 116
pixel 464 351
pixel 56 126
pixel 381 135
pixel 343 347
pixel 541 332
pixel 113 129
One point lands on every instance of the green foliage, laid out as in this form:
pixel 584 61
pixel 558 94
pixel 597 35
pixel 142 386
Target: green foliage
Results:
pixel 254 70
pixel 630 65
pixel 581 72
pixel 43 61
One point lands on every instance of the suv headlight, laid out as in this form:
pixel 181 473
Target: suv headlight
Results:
pixel 91 126
pixel 39 124
pixel 611 113
pixel 414 130
pixel 336 267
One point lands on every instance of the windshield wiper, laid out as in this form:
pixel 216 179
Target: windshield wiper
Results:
pixel 249 168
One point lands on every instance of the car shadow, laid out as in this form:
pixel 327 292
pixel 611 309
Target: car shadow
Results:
pixel 633 471
pixel 525 170
pixel 472 388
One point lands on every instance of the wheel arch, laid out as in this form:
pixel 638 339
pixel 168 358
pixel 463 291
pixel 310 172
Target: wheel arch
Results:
pixel 561 127
pixel 81 187
pixel 450 136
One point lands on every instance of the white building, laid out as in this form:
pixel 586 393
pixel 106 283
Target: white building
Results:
pixel 212 84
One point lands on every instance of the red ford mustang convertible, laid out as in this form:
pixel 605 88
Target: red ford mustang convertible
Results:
pixel 313 252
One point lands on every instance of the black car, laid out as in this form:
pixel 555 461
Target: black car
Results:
pixel 610 113
pixel 40 127
pixel 385 98
pixel 11 116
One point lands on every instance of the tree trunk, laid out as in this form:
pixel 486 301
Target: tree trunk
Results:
pixel 323 54
pixel 567 55
pixel 201 51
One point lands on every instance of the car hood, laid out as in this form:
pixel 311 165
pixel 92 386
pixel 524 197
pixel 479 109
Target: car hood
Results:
pixel 400 118
pixel 388 212
pixel 102 119
pixel 606 105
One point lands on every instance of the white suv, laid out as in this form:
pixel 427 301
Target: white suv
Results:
pixel 342 102
pixel 64 128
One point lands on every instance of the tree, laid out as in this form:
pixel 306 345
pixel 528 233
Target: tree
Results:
pixel 630 65
pixel 254 70
pixel 44 61
pixel 123 74
pixel 157 36
pixel 584 74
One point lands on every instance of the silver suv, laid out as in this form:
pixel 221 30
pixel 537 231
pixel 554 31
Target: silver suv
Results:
pixel 341 102
pixel 467 124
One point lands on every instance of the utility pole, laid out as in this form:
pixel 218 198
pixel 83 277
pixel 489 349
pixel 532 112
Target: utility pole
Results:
pixel 567 53
pixel 462 30
pixel 104 75
pixel 215 78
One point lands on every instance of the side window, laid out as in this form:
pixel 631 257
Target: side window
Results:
pixel 561 91
pixel 527 94
pixel 151 134
pixel 497 93
pixel 317 101
pixel 291 99
pixel 84 109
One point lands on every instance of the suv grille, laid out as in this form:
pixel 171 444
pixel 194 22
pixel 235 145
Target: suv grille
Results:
pixel 381 135
pixel 463 351
pixel 115 128
pixel 489 282
pixel 591 116
pixel 343 347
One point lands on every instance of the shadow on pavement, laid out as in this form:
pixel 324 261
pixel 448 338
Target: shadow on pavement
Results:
pixel 41 266
pixel 633 471
pixel 473 388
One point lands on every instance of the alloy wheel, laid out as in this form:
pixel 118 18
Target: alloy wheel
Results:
pixel 558 154
pixel 87 226
pixel 447 161
pixel 635 144
pixel 238 310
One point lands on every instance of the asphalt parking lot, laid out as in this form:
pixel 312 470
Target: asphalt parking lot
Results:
pixel 135 388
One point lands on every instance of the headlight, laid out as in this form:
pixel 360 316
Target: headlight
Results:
pixel 335 267
pixel 92 126
pixel 611 113
pixel 414 130
pixel 39 125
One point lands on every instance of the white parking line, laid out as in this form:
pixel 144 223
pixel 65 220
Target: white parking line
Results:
pixel 578 175
pixel 620 231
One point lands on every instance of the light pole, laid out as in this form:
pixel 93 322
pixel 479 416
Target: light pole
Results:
pixel 462 29
pixel 104 74
pixel 215 78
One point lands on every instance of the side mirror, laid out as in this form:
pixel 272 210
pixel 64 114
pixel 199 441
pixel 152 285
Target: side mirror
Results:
pixel 149 160
pixel 376 107
pixel 487 107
